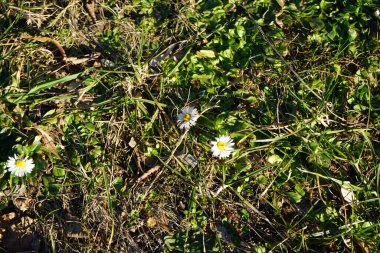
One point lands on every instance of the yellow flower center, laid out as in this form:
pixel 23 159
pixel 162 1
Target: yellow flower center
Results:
pixel 187 117
pixel 20 163
pixel 221 145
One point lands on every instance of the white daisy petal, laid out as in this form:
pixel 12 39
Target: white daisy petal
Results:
pixel 187 117
pixel 222 147
pixel 20 166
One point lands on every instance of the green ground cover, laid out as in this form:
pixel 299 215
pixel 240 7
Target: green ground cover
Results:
pixel 92 91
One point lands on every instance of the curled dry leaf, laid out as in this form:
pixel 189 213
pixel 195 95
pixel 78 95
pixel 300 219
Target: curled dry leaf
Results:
pixel 23 204
pixel 47 140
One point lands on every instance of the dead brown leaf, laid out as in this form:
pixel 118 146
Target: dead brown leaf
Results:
pixel 47 140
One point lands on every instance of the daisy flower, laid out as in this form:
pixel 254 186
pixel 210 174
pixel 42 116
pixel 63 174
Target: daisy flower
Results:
pixel 20 166
pixel 187 117
pixel 222 146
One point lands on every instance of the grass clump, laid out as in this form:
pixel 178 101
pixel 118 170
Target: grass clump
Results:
pixel 211 126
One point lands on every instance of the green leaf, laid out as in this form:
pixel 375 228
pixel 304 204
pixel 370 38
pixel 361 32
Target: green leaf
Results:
pixel 90 126
pixel 240 30
pixel 299 189
pixel 118 183
pixel 206 54
pixel 58 172
pixel 50 112
pixel 261 180
pixel 49 185
pixel 328 214
pixel 294 196
pixel 360 108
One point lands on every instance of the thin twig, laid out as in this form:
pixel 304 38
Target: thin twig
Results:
pixel 148 173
